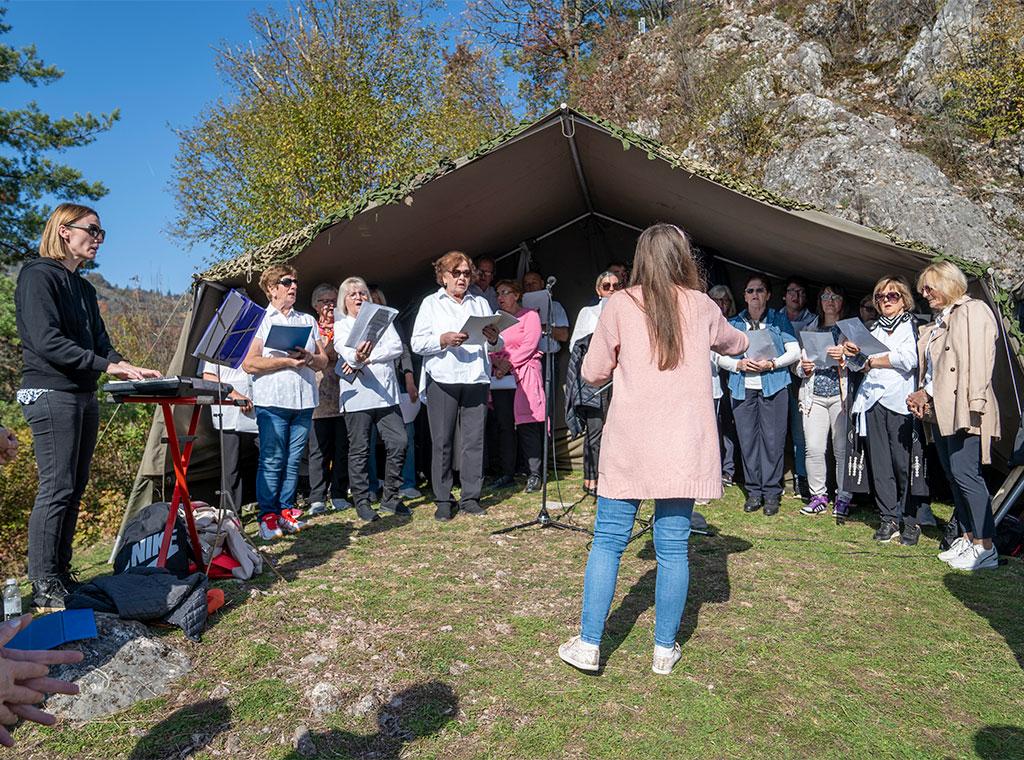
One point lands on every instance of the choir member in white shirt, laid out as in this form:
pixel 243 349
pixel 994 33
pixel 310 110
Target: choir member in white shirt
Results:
pixel 456 376
pixel 370 400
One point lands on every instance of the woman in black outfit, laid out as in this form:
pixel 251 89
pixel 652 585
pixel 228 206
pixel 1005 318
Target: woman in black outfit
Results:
pixel 65 349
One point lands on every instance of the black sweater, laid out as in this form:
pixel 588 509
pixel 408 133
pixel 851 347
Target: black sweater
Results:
pixel 64 343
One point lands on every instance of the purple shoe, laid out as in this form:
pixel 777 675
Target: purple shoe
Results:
pixel 815 506
pixel 841 510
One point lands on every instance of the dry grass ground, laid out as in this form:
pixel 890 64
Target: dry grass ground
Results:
pixel 800 639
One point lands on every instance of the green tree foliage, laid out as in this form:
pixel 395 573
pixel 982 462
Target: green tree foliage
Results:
pixel 335 99
pixel 985 90
pixel 27 138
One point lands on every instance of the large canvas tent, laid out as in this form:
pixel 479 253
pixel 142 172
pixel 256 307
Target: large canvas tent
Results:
pixel 569 192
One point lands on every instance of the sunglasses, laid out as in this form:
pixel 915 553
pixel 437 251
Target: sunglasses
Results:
pixel 831 297
pixel 288 281
pixel 504 293
pixel 752 291
pixel 611 286
pixel 888 297
pixel 95 232
pixel 462 273
pixel 926 289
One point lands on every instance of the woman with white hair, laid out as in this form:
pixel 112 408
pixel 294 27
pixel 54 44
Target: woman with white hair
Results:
pixel 369 399
pixel 956 360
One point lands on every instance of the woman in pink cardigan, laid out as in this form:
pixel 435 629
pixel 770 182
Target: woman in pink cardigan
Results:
pixel 660 440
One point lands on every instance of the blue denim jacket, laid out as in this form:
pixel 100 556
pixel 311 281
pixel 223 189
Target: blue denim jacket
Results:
pixel 782 332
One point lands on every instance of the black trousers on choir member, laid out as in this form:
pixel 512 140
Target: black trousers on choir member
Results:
pixel 531 445
pixel 960 454
pixel 890 436
pixel 237 447
pixel 465 404
pixel 761 428
pixel 592 441
pixel 501 433
pixel 391 430
pixel 328 459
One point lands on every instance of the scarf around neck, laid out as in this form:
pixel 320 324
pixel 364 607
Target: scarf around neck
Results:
pixel 891 323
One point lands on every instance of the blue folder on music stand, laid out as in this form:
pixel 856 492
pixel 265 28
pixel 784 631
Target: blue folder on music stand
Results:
pixel 227 337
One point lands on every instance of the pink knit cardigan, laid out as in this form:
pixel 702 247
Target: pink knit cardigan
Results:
pixel 660 439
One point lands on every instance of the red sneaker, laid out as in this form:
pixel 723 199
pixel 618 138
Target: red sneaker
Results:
pixel 269 528
pixel 289 521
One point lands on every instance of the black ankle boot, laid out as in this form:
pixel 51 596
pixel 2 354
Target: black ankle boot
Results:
pixel 49 593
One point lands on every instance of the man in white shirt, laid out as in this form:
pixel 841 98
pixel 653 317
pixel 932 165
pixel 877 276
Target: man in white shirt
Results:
pixel 484 266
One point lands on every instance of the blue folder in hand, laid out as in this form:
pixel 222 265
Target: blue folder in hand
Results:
pixel 287 337
pixel 50 631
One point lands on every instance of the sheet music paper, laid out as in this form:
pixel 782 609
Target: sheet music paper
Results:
pixel 815 344
pixel 856 332
pixel 761 345
pixel 539 301
pixel 371 322
pixel 474 326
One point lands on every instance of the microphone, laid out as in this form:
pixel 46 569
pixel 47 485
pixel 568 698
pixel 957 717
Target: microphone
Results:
pixel 551 282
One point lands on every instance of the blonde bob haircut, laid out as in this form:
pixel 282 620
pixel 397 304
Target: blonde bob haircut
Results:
pixel 52 245
pixel 449 261
pixel 897 283
pixel 945 278
pixel 345 287
pixel 273 273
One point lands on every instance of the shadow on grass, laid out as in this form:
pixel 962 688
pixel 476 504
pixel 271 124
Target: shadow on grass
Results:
pixel 413 713
pixel 185 731
pixel 709 582
pixel 999 742
pixel 995 596
pixel 310 548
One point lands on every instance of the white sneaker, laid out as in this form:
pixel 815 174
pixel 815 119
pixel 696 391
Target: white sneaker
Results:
pixel 665 659
pixel 580 654
pixel 976 557
pixel 410 493
pixel 340 504
pixel 317 508
pixel 957 548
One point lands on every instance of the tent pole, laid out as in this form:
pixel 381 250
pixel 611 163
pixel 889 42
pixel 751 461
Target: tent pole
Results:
pixel 547 234
pixel 570 135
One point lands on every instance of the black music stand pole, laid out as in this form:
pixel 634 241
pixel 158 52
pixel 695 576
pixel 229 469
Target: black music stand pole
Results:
pixel 544 518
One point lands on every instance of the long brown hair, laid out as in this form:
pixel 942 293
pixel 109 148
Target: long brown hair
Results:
pixel 663 264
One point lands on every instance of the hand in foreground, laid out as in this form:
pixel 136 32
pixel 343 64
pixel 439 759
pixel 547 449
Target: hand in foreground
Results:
pixel 491 333
pixel 300 357
pixel 411 389
pixel 917 403
pixel 807 367
pixel 8 445
pixel 245 403
pixel 24 681
pixel 125 371
pixel 453 339
pixel 363 351
pixel 850 348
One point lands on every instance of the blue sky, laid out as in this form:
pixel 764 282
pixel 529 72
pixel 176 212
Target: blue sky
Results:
pixel 154 61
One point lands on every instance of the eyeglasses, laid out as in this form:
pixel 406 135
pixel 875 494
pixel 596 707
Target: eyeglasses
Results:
pixel 504 293
pixel 95 232
pixel 830 297
pixel 926 289
pixel 467 273
pixel 887 297
pixel 611 286
pixel 328 301
pixel 358 294
pixel 288 281
pixel 752 291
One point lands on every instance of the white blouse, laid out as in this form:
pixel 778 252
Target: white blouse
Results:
pixel 294 387
pixel 889 386
pixel 586 322
pixel 376 385
pixel 440 313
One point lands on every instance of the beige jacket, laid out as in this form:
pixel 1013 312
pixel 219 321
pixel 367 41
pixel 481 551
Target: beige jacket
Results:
pixel 963 355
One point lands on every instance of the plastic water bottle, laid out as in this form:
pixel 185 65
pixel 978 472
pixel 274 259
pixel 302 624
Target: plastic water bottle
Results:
pixel 12 599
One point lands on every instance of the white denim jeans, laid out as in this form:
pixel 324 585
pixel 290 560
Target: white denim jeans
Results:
pixel 825 414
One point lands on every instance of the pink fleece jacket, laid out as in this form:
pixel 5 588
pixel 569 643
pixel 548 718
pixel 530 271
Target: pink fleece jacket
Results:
pixel 660 439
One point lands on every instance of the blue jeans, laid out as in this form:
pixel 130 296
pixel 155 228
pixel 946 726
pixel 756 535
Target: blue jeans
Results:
pixel 409 468
pixel 283 435
pixel 612 527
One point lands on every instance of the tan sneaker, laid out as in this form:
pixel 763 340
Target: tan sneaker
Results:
pixel 580 654
pixel 665 660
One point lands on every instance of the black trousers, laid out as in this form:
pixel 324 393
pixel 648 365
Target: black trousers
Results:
pixel 236 447
pixel 726 436
pixel 501 433
pixel 465 404
pixel 960 454
pixel 391 429
pixel 531 445
pixel 64 429
pixel 761 423
pixel 328 459
pixel 890 435
pixel 592 441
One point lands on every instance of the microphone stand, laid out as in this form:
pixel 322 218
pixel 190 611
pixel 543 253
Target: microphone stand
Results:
pixel 544 518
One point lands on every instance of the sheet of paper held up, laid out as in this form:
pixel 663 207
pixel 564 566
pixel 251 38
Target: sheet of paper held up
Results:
pixel 474 326
pixel 815 345
pixel 761 345
pixel 539 301
pixel 371 322
pixel 856 332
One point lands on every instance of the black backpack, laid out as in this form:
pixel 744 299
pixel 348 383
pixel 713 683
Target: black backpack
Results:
pixel 140 542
